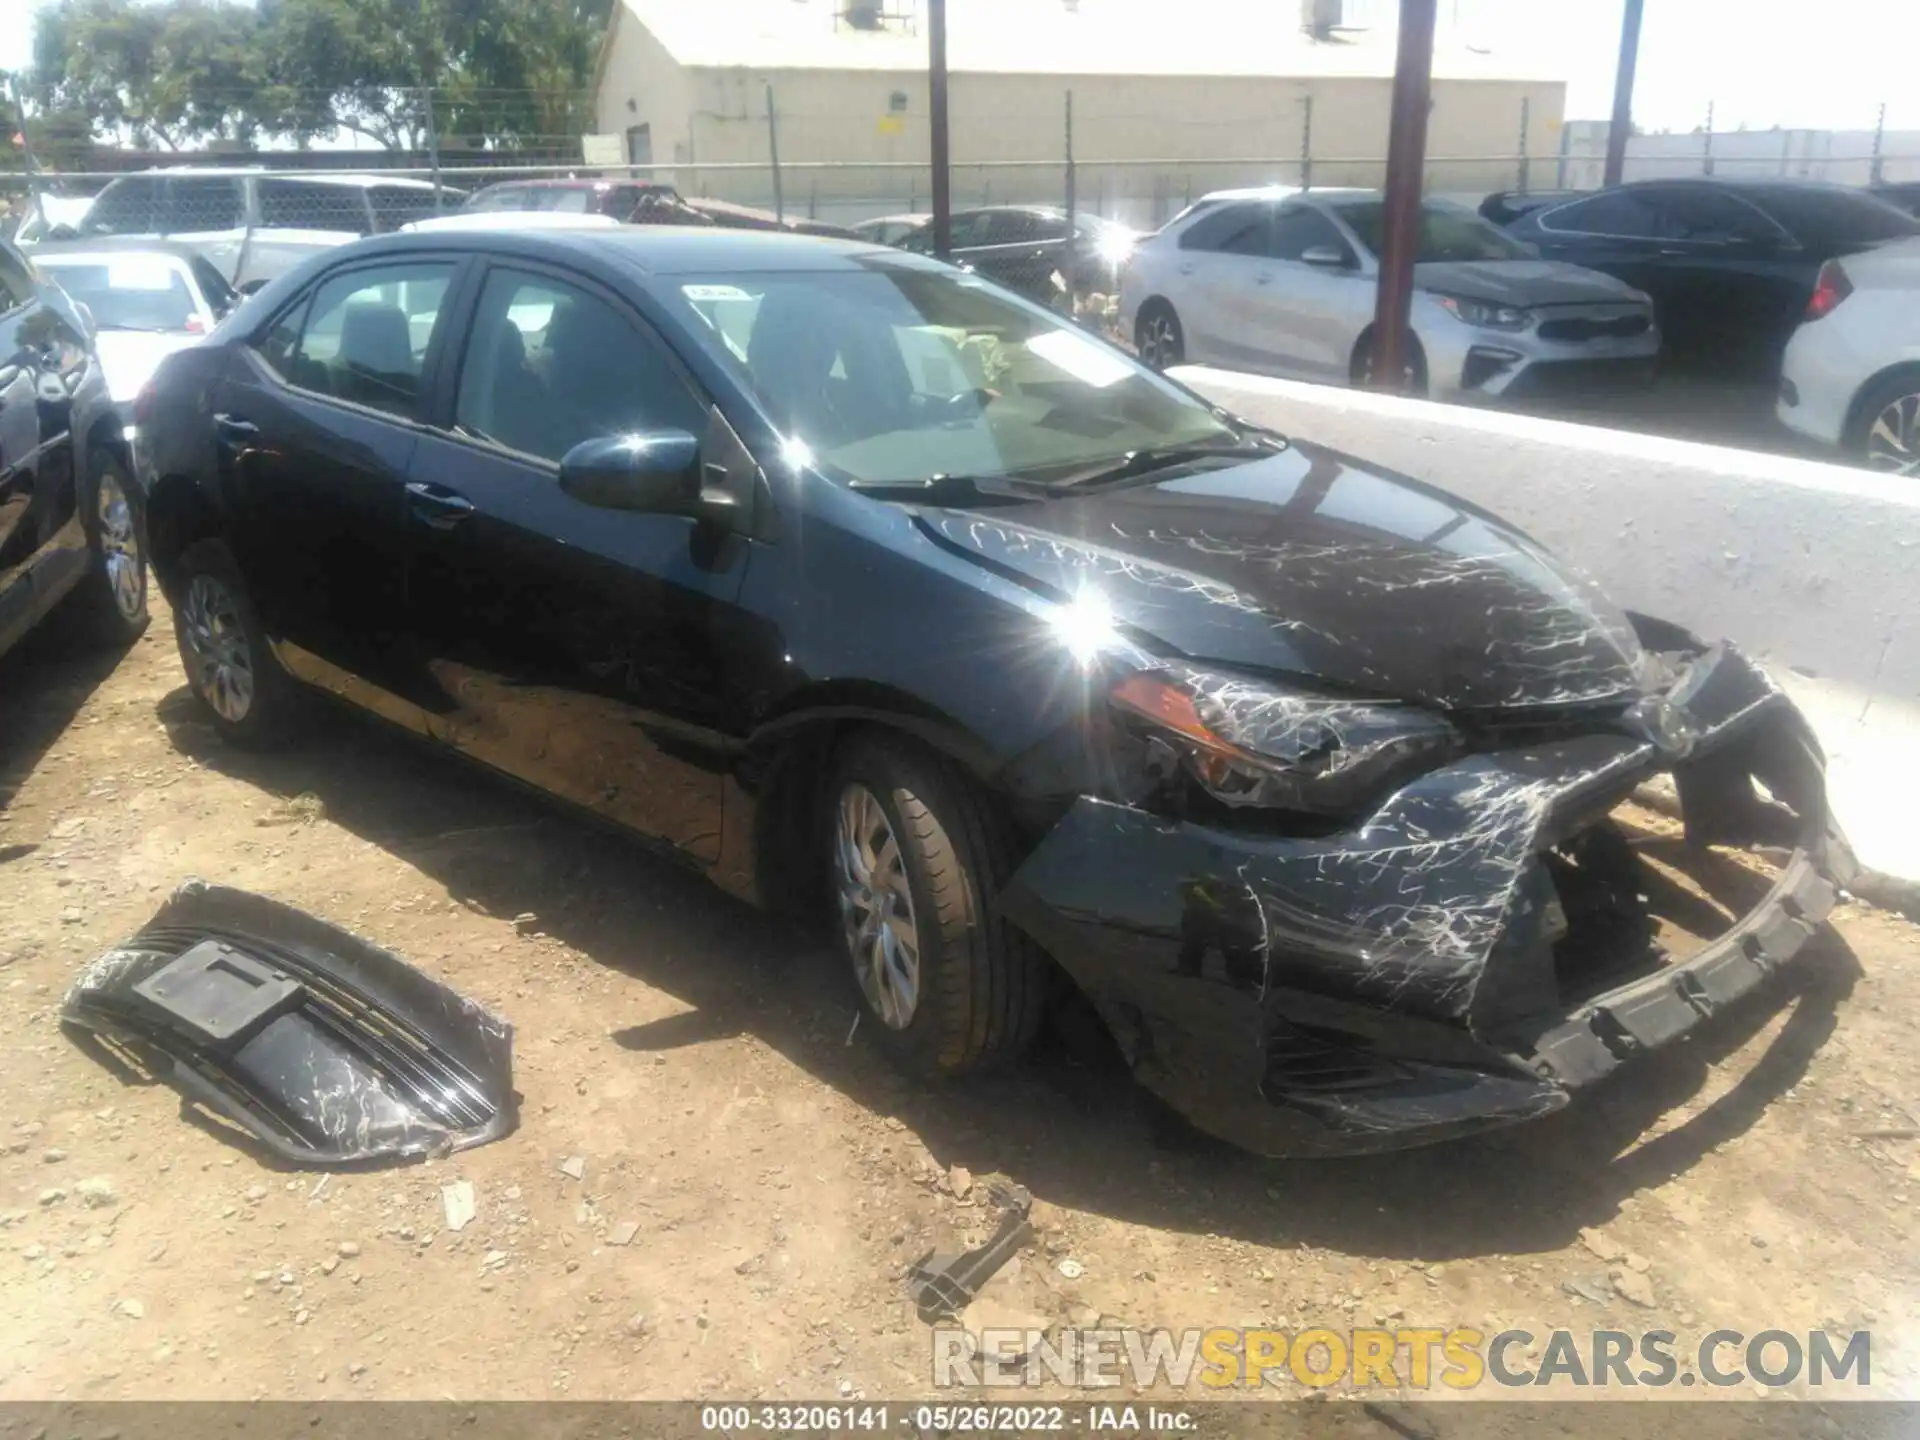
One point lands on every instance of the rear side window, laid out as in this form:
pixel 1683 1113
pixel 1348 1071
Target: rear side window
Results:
pixel 363 336
pixel 1836 219
pixel 1624 214
pixel 1231 230
pixel 196 204
pixel 130 206
pixel 1698 213
pixel 308 205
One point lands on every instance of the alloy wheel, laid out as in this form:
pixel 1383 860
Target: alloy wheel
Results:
pixel 1160 343
pixel 217 638
pixel 876 907
pixel 120 548
pixel 1893 441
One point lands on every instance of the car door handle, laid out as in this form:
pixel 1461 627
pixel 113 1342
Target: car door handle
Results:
pixel 1263 278
pixel 234 429
pixel 438 506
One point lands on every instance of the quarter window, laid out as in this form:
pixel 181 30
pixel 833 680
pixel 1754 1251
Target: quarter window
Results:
pixel 549 365
pixel 363 336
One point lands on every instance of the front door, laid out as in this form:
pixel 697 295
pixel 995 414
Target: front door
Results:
pixel 568 645
pixel 316 426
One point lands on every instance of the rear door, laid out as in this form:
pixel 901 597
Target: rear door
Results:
pixel 1308 317
pixel 316 424
pixel 1220 259
pixel 567 645
pixel 1619 232
pixel 1734 282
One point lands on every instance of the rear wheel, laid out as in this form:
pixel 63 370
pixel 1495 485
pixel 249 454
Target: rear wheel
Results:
pixel 1885 433
pixel 1413 376
pixel 1157 336
pixel 917 855
pixel 112 600
pixel 230 667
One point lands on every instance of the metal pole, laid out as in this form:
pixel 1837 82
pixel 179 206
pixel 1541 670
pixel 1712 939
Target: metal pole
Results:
pixel 1523 144
pixel 773 153
pixel 1879 134
pixel 1400 220
pixel 1707 143
pixel 1072 206
pixel 937 116
pixel 433 146
pixel 1622 124
pixel 34 188
pixel 1306 142
pixel 1560 165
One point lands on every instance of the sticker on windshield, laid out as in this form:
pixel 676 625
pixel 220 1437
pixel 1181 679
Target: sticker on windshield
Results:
pixel 139 273
pixel 1080 358
pixel 714 292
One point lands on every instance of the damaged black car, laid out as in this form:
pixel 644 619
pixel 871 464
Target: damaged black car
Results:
pixel 859 583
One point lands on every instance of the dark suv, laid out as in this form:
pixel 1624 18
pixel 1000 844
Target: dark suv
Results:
pixel 70 513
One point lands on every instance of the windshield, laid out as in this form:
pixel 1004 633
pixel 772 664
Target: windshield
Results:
pixel 896 374
pixel 1447 232
pixel 137 292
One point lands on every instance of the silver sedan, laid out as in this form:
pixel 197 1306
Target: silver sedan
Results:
pixel 1282 282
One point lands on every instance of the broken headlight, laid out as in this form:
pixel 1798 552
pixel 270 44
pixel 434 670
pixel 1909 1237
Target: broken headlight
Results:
pixel 1249 744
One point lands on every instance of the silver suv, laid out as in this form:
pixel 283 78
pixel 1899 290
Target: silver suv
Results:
pixel 253 225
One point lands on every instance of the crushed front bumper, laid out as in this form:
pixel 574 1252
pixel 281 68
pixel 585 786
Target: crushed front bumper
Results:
pixel 1396 983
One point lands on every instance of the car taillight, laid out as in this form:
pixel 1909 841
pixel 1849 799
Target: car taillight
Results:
pixel 143 405
pixel 1829 290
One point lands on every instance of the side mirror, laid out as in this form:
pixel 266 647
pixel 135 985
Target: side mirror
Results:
pixel 655 471
pixel 1327 257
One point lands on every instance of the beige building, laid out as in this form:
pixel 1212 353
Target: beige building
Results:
pixel 1170 98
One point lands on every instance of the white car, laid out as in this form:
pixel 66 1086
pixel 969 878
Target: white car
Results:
pixel 512 220
pixel 146 301
pixel 1851 376
pixel 255 226
pixel 1283 282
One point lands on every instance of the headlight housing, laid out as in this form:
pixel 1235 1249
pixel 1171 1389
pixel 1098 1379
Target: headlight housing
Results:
pixel 1484 314
pixel 1247 744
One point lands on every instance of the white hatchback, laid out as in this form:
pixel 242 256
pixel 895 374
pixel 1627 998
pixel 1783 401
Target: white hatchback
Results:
pixel 1851 376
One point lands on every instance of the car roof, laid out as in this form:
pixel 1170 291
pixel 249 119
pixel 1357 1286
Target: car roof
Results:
pixel 113 247
pixel 574 183
pixel 232 172
pixel 654 249
pixel 510 220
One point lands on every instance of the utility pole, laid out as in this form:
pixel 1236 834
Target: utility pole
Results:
pixel 1874 169
pixel 773 154
pixel 1306 142
pixel 1072 198
pixel 1706 144
pixel 1400 219
pixel 937 117
pixel 1524 116
pixel 1622 124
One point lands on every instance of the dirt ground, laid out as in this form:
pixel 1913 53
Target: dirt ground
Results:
pixel 776 1175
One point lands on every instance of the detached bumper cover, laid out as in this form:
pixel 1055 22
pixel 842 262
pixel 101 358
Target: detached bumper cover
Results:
pixel 1395 984
pixel 326 1049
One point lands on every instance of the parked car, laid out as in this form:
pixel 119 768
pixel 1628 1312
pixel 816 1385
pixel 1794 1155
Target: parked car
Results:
pixel 888 229
pixel 1506 206
pixel 1901 194
pixel 1729 263
pixel 511 220
pixel 855 582
pixel 71 526
pixel 146 299
pixel 1024 246
pixel 1287 286
pixel 254 226
pixel 1851 377
pixel 637 202
pixel 49 215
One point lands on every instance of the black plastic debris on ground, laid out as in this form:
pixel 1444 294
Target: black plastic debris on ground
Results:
pixel 326 1049
pixel 945 1282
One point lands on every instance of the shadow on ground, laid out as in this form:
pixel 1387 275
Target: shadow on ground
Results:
pixel 1077 1131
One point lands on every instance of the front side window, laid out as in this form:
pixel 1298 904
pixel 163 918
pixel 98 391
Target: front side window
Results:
pixel 1618 214
pixel 895 373
pixel 197 204
pixel 1298 229
pixel 550 365
pixel 362 336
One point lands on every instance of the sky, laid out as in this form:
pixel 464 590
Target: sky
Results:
pixel 1761 62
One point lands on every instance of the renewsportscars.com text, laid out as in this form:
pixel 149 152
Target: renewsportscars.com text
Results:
pixel 1460 1358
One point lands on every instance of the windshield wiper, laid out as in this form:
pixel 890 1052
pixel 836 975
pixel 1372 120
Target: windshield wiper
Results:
pixel 1160 457
pixel 950 489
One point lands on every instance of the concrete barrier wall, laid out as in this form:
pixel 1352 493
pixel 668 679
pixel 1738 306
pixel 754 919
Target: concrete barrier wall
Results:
pixel 1812 568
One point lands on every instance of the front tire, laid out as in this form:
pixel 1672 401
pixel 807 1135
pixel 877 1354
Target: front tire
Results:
pixel 1158 338
pixel 230 667
pixel 917 854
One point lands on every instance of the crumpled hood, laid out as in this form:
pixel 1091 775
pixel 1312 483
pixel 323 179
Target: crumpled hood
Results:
pixel 1310 565
pixel 128 358
pixel 1523 282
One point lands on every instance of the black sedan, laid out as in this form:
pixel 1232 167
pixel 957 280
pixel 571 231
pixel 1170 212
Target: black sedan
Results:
pixel 70 513
pixel 1024 246
pixel 856 582
pixel 1729 263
